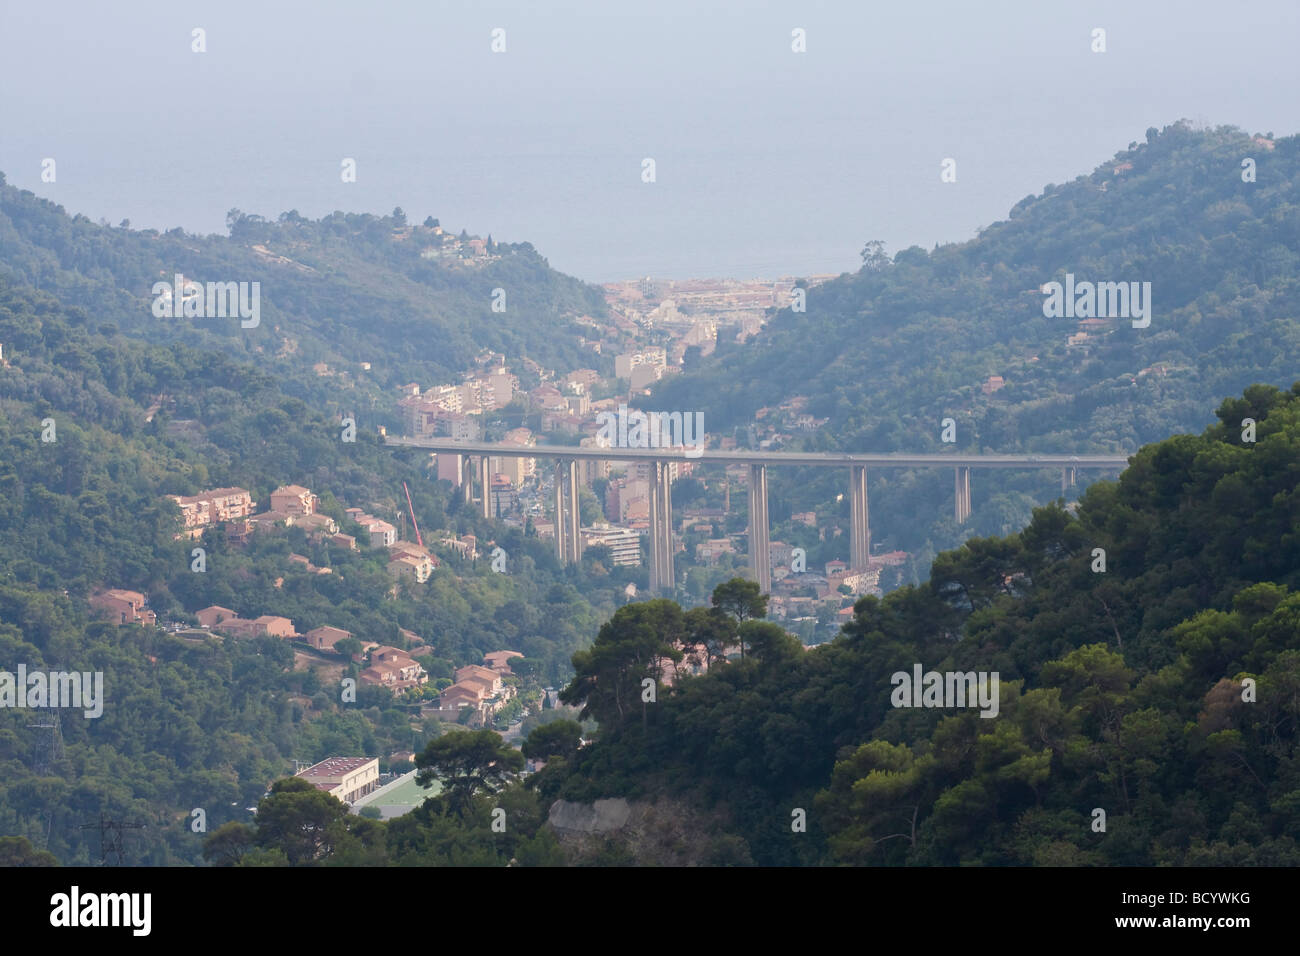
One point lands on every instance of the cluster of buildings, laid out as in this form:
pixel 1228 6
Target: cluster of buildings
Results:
pixel 389 667
pixel 644 367
pixel 225 621
pixel 800 595
pixel 213 507
pixel 235 509
pixel 296 506
pixel 627 498
pixel 455 411
pixel 441 244
pixel 694 311
pixel 479 688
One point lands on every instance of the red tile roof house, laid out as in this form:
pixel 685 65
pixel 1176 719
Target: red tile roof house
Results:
pixel 235 627
pixel 487 682
pixel 394 669
pixel 124 607
pixel 459 695
pixel 214 615
pixel 268 625
pixel 269 519
pixel 317 524
pixel 271 626
pixel 294 500
pixel 480 684
pixel 485 673
pixel 324 638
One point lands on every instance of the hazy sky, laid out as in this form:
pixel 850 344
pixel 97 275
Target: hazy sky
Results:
pixel 768 162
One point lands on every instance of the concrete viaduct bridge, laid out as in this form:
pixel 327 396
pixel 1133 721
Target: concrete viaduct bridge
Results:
pixel 568 544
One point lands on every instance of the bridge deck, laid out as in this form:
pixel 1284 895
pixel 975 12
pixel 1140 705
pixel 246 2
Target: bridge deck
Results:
pixel 801 458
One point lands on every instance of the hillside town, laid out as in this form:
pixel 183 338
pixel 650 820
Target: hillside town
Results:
pixel 476 695
pixel 653 330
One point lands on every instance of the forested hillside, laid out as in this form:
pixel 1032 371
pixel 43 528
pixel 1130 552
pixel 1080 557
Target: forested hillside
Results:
pixel 413 301
pixel 1145 636
pixel 1147 662
pixel 1163 690
pixel 205 723
pixel 889 352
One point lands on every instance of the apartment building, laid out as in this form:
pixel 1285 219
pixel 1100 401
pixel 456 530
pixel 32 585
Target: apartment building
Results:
pixel 380 534
pixel 503 495
pixel 346 778
pixel 652 355
pixel 213 507
pixel 294 500
pixel 623 543
pixel 419 568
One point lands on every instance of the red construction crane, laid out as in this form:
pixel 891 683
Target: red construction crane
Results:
pixel 410 507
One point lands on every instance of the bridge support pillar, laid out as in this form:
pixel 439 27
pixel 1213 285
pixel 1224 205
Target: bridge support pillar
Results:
pixel 561 549
pixel 661 528
pixel 466 473
pixel 485 479
pixel 1067 479
pixel 574 537
pixel 859 527
pixel 760 551
pixel 963 494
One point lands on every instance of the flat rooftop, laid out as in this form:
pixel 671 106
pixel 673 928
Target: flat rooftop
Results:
pixel 335 767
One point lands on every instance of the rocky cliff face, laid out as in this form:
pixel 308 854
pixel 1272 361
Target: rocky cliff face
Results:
pixel 620 832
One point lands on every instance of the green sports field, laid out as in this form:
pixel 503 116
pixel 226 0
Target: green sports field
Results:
pixel 398 797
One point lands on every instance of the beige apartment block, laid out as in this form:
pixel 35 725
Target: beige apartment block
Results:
pixel 346 778
pixel 294 500
pixel 212 507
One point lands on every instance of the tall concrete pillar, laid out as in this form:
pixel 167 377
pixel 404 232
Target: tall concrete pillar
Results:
pixel 860 528
pixel 561 550
pixel 669 581
pixel 485 479
pixel 962 496
pixel 661 528
pixel 656 554
pixel 574 538
pixel 466 472
pixel 760 551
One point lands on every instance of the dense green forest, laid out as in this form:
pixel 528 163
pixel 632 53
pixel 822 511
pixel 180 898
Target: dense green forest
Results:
pixel 1123 690
pixel 888 352
pixel 340 290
